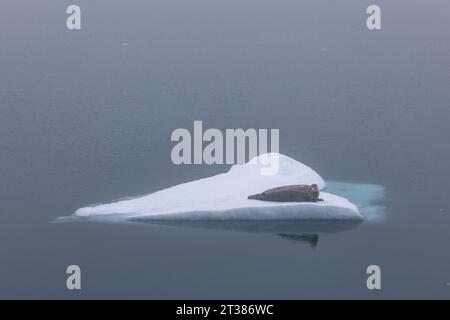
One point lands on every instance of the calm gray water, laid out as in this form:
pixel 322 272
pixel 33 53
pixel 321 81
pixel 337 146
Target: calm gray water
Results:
pixel 85 118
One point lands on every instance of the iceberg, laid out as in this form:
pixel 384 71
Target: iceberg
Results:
pixel 364 195
pixel 223 197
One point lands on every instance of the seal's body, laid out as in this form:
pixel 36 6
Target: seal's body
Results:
pixel 294 193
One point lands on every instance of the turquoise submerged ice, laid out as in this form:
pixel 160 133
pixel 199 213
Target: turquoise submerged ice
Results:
pixel 224 197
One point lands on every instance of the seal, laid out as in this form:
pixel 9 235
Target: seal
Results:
pixel 294 193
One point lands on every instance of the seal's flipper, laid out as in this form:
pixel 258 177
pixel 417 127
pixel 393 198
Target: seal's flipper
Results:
pixel 255 197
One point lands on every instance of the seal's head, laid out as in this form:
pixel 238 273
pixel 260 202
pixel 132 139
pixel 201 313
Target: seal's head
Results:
pixel 315 192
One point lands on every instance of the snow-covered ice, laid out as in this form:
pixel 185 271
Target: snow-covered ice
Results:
pixel 224 197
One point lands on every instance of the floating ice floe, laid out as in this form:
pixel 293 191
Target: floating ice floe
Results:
pixel 223 197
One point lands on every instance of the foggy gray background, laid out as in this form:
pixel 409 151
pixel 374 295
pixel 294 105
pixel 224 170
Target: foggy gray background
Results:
pixel 84 119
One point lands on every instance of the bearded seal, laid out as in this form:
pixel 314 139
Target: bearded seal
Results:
pixel 294 193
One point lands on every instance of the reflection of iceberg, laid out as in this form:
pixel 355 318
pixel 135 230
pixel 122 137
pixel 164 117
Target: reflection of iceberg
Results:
pixel 300 231
pixel 263 226
pixel 304 231
pixel 224 197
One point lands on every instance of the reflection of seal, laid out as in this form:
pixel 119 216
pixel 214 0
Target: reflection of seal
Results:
pixel 311 239
pixel 295 193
